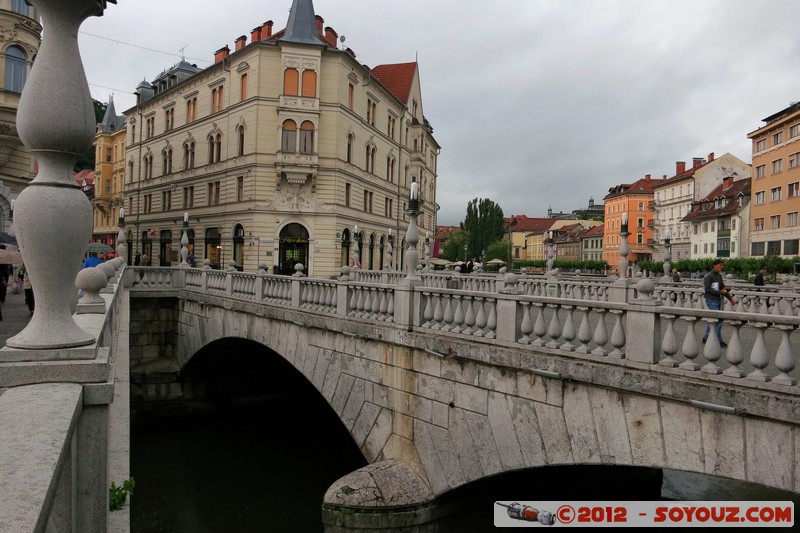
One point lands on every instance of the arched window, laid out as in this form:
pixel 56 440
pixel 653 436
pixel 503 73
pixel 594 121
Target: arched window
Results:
pixel 16 69
pixel 218 147
pixel 307 137
pixel 188 155
pixel 240 148
pixel 214 148
pixel 290 81
pixel 148 166
pixel 390 169
pixel 289 136
pixel 166 159
pixel 130 171
pixel 370 155
pixel 309 83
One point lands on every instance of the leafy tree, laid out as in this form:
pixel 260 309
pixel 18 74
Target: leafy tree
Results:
pixel 453 249
pixel 498 250
pixel 483 224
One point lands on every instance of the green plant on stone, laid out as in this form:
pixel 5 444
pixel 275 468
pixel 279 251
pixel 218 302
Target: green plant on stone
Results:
pixel 118 495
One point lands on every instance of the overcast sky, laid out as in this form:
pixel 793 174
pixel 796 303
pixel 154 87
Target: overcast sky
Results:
pixel 536 103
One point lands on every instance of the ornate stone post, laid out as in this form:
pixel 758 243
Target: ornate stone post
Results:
pixel 412 237
pixel 549 266
pixel 389 250
pixel 356 239
pixel 185 242
pixel 427 259
pixel 667 256
pixel 53 217
pixel 623 247
pixel 122 249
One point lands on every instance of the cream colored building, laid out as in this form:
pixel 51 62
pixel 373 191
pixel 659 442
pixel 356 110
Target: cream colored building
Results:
pixel 109 177
pixel 277 151
pixel 20 37
pixel 774 225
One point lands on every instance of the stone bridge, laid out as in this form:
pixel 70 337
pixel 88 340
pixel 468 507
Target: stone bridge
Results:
pixel 440 387
pixel 440 381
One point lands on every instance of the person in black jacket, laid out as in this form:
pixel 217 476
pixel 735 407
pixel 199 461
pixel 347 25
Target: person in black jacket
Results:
pixel 759 281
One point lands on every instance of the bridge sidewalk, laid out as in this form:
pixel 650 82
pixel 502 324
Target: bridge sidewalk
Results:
pixel 15 316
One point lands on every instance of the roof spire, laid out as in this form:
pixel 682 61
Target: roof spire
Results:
pixel 302 24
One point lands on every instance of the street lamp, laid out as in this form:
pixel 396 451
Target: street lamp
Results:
pixel 623 247
pixel 122 249
pixel 427 251
pixel 412 236
pixel 667 254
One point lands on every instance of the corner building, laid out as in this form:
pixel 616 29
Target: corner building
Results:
pixel 277 152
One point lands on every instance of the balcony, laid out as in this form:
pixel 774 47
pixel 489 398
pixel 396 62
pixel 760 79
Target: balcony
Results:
pixel 723 253
pixel 651 205
pixel 723 233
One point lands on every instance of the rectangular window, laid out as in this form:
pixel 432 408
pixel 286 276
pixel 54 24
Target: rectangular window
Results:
pixel 705 227
pixel 761 144
pixel 240 188
pixel 368 201
pixel 213 193
pixel 773 247
pixel 191 110
pixel 761 197
pixel 148 203
pixel 777 138
pixel 777 166
pixel 166 200
pixel 640 223
pixel 640 239
pixel 695 249
pixel 791 219
pixel 347 190
pixel 756 248
pixel 793 189
pixel 790 247
pixel 711 248
pixel 108 155
pixel 169 119
pixel 761 171
pixel 794 160
pixel 705 247
pixel 243 90
pixel 350 93
pixel 775 194
pixel 151 126
pixel 388 208
pixel 758 224
pixel 188 197
pixel 774 222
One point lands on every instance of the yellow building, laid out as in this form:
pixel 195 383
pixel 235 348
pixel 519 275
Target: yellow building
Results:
pixel 21 38
pixel 775 186
pixel 109 176
pixel 277 152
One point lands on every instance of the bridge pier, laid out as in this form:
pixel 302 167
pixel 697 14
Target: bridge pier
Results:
pixel 385 496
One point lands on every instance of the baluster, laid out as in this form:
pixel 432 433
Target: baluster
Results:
pixel 554 330
pixel 784 359
pixel 390 306
pixel 448 313
pixel 759 357
pixel 539 328
pixel 353 302
pixel 584 331
pixel 734 355
pixel 306 293
pixel 712 350
pixel 469 316
pixel 480 318
pixel 753 307
pixel 600 334
pixel 458 317
pixel 526 326
pixel 384 307
pixel 617 336
pixel 427 314
pixel 438 312
pixel 491 322
pixel 690 349
pixel 569 330
pixel 376 302
pixel 669 344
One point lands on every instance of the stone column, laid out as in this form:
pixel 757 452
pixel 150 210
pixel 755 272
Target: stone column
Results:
pixel 53 217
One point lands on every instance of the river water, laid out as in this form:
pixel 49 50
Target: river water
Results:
pixel 264 464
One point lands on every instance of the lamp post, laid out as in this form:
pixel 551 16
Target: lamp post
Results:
pixel 122 249
pixel 549 251
pixel 667 255
pixel 427 251
pixel 185 242
pixel 356 240
pixel 412 237
pixel 389 250
pixel 623 247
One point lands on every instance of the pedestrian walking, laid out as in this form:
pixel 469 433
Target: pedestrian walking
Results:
pixel 27 287
pixel 713 291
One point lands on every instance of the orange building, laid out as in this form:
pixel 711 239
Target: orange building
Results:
pixel 629 200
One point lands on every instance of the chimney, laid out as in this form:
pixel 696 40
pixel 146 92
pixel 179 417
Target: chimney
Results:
pixel 331 36
pixel 647 177
pixel 680 167
pixel 727 181
pixel 221 54
pixel 664 177
pixel 240 42
pixel 268 26
pixel 711 157
pixel 697 161
pixel 320 22
pixel 255 35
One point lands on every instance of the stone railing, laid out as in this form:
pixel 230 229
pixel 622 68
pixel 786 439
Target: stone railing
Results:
pixel 574 319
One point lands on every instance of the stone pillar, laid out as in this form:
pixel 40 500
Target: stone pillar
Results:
pixel 52 216
pixel 643 339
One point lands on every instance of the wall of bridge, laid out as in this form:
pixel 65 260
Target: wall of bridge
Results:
pixel 453 419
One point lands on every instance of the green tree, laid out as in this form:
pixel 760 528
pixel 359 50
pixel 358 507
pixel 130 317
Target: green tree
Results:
pixel 87 159
pixel 453 249
pixel 498 250
pixel 483 224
